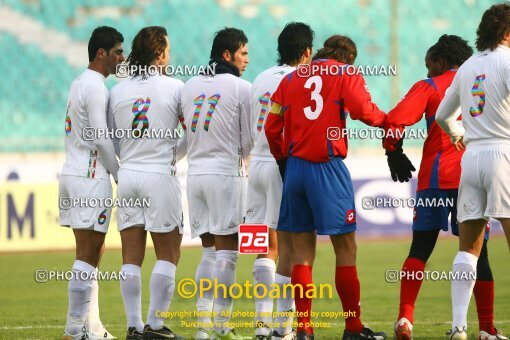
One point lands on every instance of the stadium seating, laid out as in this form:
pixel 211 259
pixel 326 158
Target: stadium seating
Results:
pixel 35 83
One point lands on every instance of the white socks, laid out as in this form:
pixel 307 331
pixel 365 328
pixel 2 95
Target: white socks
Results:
pixel 263 273
pixel 225 272
pixel 285 307
pixel 162 289
pixel 79 289
pixel 131 289
pixel 464 265
pixel 93 322
pixel 205 272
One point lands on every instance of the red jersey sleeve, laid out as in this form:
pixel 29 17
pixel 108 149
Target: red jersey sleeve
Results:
pixel 408 112
pixel 357 98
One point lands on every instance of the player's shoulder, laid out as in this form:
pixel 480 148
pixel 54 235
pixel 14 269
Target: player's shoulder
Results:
pixel 276 72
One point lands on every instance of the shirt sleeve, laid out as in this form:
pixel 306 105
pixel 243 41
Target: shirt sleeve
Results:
pixel 95 102
pixel 275 123
pixel 407 112
pixel 357 98
pixel 112 126
pixel 245 119
pixel 448 112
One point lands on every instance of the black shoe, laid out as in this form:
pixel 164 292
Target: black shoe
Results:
pixel 366 333
pixel 304 336
pixel 159 334
pixel 133 334
pixel 289 336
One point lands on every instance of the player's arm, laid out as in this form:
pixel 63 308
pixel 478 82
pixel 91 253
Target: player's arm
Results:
pixel 448 112
pixel 245 119
pixel 182 143
pixel 274 134
pixel 357 98
pixel 407 112
pixel 110 121
pixel 95 102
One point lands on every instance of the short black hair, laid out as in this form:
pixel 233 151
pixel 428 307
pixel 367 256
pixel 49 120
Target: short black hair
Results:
pixel 494 25
pixel 452 49
pixel 293 41
pixel 104 37
pixel 228 39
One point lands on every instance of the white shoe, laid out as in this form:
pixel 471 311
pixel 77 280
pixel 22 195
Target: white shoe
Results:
pixel 102 333
pixel 403 329
pixel 202 334
pixel 457 334
pixel 483 335
pixel 84 334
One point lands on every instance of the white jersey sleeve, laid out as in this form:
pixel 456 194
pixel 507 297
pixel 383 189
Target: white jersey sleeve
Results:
pixel 86 155
pixel 146 113
pixel 483 91
pixel 448 112
pixel 216 113
pixel 262 89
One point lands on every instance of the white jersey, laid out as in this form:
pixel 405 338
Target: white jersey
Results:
pixel 482 89
pixel 262 89
pixel 217 117
pixel 86 110
pixel 147 110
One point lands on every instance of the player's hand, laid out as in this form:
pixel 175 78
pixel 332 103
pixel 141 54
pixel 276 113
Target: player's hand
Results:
pixel 282 164
pixel 459 144
pixel 400 166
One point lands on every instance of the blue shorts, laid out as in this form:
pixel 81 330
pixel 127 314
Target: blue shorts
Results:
pixel 433 218
pixel 317 197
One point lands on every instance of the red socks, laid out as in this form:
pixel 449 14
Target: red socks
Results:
pixel 302 277
pixel 347 286
pixel 484 296
pixel 409 287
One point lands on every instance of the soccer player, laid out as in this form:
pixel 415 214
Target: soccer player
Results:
pixel 317 190
pixel 85 175
pixel 438 180
pixel 265 185
pixel 216 110
pixel 481 88
pixel 142 104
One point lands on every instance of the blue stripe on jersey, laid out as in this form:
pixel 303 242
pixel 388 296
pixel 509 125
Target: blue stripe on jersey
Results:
pixel 430 120
pixel 434 174
pixel 430 81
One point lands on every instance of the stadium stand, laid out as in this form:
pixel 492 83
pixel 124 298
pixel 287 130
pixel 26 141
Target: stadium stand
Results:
pixel 38 72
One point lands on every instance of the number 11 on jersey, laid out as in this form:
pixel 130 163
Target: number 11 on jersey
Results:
pixel 199 102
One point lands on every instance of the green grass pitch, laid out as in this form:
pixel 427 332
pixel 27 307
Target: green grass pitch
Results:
pixel 31 310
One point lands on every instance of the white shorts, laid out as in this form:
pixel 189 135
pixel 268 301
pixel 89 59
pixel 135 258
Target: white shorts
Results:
pixel 216 204
pixel 484 189
pixel 264 193
pixel 163 193
pixel 86 215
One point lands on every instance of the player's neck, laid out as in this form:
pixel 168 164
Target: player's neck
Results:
pixel 98 68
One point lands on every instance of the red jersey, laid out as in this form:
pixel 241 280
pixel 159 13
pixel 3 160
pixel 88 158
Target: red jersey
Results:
pixel 440 164
pixel 313 104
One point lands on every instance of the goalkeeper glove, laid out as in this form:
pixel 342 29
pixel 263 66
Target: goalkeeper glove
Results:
pixel 400 166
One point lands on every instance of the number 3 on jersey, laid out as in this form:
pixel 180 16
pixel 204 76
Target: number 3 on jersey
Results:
pixel 315 96
pixel 199 102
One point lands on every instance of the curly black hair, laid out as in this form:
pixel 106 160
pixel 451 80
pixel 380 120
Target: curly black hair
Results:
pixel 339 48
pixel 452 49
pixel 494 25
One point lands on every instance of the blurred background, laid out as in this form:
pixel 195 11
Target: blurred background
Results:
pixel 44 47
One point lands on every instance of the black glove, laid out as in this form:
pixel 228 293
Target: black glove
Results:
pixel 282 164
pixel 400 165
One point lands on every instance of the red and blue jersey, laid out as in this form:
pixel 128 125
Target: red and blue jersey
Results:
pixel 314 104
pixel 440 164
